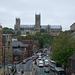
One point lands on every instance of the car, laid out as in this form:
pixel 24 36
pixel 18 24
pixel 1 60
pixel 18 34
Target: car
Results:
pixel 35 62
pixel 46 62
pixel 41 64
pixel 39 58
pixel 27 59
pixel 22 71
pixel 19 72
pixel 43 58
pixel 24 62
pixel 46 69
pixel 47 55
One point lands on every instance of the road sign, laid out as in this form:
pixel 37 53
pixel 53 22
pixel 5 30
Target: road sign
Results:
pixel 9 66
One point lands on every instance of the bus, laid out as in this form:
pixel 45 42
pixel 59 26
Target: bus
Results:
pixel 52 65
pixel 59 71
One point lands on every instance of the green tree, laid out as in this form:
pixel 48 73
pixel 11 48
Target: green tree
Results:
pixel 29 36
pixel 21 29
pixel 44 39
pixel 42 30
pixel 7 30
pixel 62 48
pixel 20 38
pixel 18 33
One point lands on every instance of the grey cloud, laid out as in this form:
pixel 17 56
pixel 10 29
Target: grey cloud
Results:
pixel 52 12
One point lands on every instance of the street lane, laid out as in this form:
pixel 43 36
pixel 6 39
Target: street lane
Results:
pixel 26 67
pixel 40 71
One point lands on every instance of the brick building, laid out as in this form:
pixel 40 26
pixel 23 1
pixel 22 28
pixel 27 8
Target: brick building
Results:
pixel 0 44
pixel 29 41
pixel 20 50
pixel 7 48
pixel 72 65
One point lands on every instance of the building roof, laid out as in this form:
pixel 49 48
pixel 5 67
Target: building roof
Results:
pixel 14 39
pixel 72 57
pixel 43 26
pixel 26 26
pixel 17 51
pixel 55 26
pixel 19 44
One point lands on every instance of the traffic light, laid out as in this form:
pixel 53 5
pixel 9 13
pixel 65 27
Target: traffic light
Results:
pixel 14 62
pixel 14 58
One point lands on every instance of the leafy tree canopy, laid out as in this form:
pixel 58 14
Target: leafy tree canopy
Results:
pixel 42 30
pixel 7 30
pixel 18 33
pixel 44 39
pixel 62 48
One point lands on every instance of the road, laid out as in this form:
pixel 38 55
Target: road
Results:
pixel 40 70
pixel 29 66
pixel 26 67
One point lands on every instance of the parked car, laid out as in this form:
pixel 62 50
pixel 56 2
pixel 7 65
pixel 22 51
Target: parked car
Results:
pixel 24 62
pixel 27 59
pixel 19 72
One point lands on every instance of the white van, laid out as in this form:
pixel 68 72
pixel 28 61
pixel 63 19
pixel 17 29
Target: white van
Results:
pixel 41 63
pixel 46 63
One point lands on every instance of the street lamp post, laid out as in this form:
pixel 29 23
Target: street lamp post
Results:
pixel 4 58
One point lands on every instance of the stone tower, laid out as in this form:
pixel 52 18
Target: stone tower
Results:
pixel 48 29
pixel 16 27
pixel 37 23
pixel 37 19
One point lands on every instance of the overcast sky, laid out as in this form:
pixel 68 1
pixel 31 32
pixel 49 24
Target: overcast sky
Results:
pixel 53 12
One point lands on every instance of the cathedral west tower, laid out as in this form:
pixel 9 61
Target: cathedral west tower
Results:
pixel 17 25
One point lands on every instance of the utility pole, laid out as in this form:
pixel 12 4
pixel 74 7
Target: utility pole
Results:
pixel 4 59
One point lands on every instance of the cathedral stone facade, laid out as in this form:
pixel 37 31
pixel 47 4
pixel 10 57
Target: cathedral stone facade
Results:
pixel 32 29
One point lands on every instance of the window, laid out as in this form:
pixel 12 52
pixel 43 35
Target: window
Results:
pixel 74 66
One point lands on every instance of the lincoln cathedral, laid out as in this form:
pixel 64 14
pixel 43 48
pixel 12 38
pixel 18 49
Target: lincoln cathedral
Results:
pixel 32 29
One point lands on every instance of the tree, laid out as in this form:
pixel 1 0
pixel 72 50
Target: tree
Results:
pixel 42 30
pixel 44 39
pixel 7 30
pixel 18 33
pixel 20 38
pixel 21 29
pixel 29 36
pixel 62 48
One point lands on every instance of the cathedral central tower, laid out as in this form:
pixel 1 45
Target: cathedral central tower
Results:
pixel 37 23
pixel 37 19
